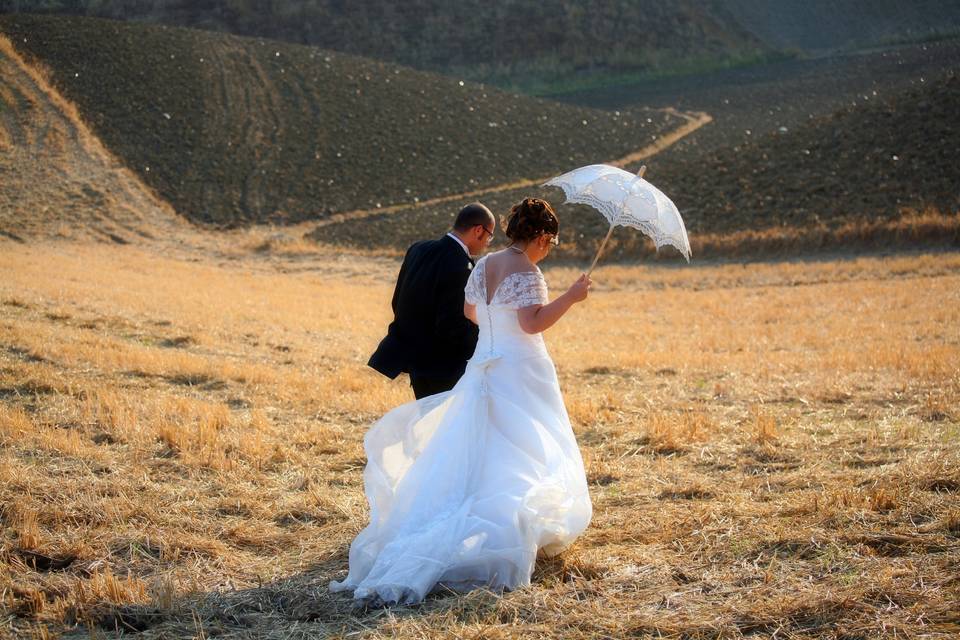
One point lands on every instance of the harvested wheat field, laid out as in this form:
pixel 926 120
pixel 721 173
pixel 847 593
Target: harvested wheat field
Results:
pixel 771 448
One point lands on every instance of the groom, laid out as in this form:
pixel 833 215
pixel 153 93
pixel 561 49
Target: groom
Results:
pixel 429 337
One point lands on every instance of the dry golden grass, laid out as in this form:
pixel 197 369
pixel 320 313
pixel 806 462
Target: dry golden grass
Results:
pixel 771 447
pixel 59 180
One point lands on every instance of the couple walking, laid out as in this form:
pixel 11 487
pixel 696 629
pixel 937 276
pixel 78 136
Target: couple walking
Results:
pixel 470 481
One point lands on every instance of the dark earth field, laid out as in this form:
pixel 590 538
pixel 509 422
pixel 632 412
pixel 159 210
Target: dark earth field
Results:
pixel 856 150
pixel 512 42
pixel 748 102
pixel 235 130
pixel 811 146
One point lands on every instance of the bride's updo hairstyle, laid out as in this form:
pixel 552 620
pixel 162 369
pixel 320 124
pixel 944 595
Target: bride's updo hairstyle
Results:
pixel 531 218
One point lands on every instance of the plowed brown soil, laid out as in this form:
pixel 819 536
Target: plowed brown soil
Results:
pixel 236 131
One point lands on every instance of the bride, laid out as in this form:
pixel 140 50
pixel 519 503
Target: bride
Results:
pixel 466 486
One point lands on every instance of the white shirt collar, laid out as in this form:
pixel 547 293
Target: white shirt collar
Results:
pixel 460 242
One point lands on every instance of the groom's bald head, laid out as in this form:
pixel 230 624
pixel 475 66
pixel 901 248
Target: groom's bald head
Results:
pixel 475 226
pixel 472 215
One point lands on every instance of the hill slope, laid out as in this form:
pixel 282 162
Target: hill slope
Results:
pixel 826 25
pixel 866 160
pixel 234 130
pixel 55 177
pixel 840 180
pixel 751 101
pixel 476 38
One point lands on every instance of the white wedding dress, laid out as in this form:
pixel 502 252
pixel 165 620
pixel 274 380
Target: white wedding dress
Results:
pixel 466 486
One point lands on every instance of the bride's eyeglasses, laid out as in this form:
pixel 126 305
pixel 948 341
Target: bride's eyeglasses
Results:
pixel 554 240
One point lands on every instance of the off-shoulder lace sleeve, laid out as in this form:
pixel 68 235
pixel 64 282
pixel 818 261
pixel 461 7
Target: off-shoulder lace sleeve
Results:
pixel 475 291
pixel 523 289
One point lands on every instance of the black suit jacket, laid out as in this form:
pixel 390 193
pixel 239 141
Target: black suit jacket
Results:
pixel 429 335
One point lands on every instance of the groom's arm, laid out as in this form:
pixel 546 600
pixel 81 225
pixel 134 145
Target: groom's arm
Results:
pixel 400 278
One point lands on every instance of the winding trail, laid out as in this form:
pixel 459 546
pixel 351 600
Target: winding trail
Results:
pixel 694 120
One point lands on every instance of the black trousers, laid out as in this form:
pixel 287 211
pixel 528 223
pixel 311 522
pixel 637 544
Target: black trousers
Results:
pixel 423 387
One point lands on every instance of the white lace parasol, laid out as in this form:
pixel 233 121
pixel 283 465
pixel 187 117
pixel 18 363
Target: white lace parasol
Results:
pixel 627 200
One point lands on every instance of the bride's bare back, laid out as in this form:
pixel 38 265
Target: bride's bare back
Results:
pixel 501 265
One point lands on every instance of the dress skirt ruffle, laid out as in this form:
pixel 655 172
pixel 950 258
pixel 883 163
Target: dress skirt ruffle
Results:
pixel 465 487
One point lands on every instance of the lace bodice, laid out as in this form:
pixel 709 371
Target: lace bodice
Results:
pixel 517 290
pixel 500 331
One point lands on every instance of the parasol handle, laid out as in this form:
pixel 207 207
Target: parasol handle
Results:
pixel 600 250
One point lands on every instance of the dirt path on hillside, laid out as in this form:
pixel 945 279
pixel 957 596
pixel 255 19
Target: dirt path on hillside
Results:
pixel 694 120
pixel 58 178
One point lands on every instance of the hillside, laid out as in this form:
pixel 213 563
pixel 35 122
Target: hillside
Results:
pixel 55 176
pixel 841 179
pixel 234 130
pixel 869 160
pixel 530 43
pixel 827 25
pixel 479 40
pixel 753 101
